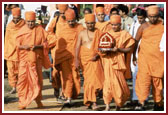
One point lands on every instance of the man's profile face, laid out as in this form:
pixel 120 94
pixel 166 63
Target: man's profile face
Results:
pixel 100 16
pixel 71 23
pixel 153 18
pixel 16 19
pixel 121 13
pixel 141 19
pixel 90 25
pixel 30 23
pixel 113 13
pixel 116 27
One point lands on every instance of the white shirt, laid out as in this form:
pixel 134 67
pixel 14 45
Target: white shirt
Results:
pixel 133 30
pixel 126 23
pixel 162 44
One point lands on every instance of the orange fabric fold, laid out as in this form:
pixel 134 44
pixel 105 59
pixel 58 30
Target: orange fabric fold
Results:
pixel 10 53
pixel 66 43
pixel 150 64
pixel 93 75
pixel 12 72
pixel 103 26
pixel 64 57
pixel 54 35
pixel 149 53
pixel 65 51
pixel 115 85
pixel 10 40
pixel 127 73
pixel 92 70
pixel 52 40
pixel 30 79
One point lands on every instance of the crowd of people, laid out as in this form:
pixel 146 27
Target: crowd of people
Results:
pixel 68 45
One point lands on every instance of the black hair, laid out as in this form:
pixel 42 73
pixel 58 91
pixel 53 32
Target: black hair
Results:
pixel 17 5
pixel 147 5
pixel 99 5
pixel 57 13
pixel 114 9
pixel 141 12
pixel 87 9
pixel 161 14
pixel 123 8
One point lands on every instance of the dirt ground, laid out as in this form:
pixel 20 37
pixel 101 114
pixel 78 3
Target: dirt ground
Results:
pixel 50 103
pixel 49 100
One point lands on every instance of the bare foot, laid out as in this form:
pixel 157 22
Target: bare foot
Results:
pixel 95 107
pixel 21 107
pixel 107 109
pixel 13 91
pixel 40 105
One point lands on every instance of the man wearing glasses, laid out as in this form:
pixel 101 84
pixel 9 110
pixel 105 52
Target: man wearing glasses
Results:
pixel 101 24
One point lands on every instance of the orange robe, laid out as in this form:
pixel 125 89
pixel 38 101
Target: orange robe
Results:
pixel 58 24
pixel 127 73
pixel 150 64
pixel 92 72
pixel 30 79
pixel 10 53
pixel 106 26
pixel 64 56
pixel 115 85
pixel 103 26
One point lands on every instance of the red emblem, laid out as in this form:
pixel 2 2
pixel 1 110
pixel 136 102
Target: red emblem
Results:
pixel 106 42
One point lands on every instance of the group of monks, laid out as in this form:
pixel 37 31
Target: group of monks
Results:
pixel 74 47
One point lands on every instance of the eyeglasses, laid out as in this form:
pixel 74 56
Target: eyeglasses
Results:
pixel 69 21
pixel 115 24
pixel 61 13
pixel 90 22
pixel 153 16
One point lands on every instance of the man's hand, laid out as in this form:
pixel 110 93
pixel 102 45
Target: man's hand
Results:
pixel 115 49
pixel 95 58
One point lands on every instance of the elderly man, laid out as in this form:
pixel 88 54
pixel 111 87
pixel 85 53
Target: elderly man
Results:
pixel 57 25
pixel 33 54
pixel 10 53
pixel 115 85
pixel 65 52
pixel 150 59
pixel 101 24
pixel 91 65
